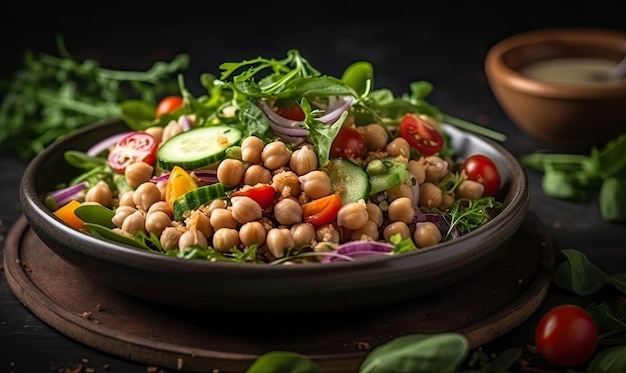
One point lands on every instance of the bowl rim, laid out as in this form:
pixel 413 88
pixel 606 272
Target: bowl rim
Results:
pixel 501 73
pixel 513 212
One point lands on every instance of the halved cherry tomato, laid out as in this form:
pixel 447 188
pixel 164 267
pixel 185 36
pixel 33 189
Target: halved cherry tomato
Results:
pixel 168 105
pixel 263 194
pixel 349 143
pixel 482 169
pixel 288 109
pixel 322 210
pixel 566 335
pixel 137 146
pixel 178 183
pixel 420 134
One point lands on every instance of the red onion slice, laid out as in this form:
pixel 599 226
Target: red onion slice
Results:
pixel 354 250
pixel 105 144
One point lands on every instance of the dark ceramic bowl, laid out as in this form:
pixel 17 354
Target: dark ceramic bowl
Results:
pixel 556 112
pixel 232 287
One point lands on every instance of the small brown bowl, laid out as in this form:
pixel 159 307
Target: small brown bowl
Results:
pixel 562 113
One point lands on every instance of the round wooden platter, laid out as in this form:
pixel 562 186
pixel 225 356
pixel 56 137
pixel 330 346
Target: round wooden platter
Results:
pixel 484 306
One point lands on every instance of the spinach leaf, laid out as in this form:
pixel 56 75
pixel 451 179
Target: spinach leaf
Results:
pixel 442 352
pixel 283 362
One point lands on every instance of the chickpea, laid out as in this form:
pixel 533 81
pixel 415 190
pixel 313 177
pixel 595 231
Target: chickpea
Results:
pixel 217 204
pixel 126 199
pixel 418 170
pixel 245 209
pixel 435 169
pixel 303 234
pixel 156 132
pixel 399 147
pixel 162 185
pixel 192 237
pixel 100 193
pixel 169 237
pixel 172 129
pixel 401 209
pixel 353 215
pixel 225 239
pixel 470 189
pixel 374 213
pixel 163 207
pixel 395 228
pixel 251 148
pixel 222 218
pixel 146 195
pixel 252 233
pixel 303 160
pixel 138 173
pixel 200 221
pixel 315 184
pixel 426 234
pixel 286 179
pixel 367 232
pixel 156 222
pixel 376 137
pixel 430 195
pixel 121 213
pixel 256 174
pixel 447 199
pixel 288 211
pixel 135 222
pixel 275 155
pixel 278 240
pixel 327 233
pixel 402 190
pixel 230 172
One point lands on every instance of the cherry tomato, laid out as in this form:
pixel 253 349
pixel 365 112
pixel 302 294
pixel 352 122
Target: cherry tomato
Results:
pixel 349 143
pixel 137 146
pixel 263 194
pixel 482 169
pixel 168 105
pixel 322 210
pixel 566 335
pixel 288 109
pixel 420 134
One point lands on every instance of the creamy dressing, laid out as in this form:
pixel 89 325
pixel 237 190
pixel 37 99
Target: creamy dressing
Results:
pixel 571 70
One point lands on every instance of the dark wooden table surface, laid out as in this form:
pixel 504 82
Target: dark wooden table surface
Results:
pixel 445 46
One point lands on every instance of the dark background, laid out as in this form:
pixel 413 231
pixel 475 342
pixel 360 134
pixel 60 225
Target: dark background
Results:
pixel 441 42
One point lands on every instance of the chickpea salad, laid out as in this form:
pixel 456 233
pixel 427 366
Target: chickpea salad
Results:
pixel 280 164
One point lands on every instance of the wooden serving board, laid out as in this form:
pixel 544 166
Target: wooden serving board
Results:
pixel 483 307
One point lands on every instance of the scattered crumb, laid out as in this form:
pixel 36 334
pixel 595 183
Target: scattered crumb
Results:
pixel 363 346
pixel 179 363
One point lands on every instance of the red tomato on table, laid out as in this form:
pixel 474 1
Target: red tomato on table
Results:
pixel 566 335
pixel 482 169
pixel 137 146
pixel 420 134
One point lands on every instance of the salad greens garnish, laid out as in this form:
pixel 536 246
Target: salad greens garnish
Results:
pixel 52 96
pixel 574 176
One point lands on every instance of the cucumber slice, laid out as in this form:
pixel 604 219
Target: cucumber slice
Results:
pixel 198 147
pixel 396 174
pixel 195 198
pixel 347 179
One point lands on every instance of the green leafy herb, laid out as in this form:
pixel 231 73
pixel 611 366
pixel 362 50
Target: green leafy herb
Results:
pixel 573 176
pixel 467 215
pixel 53 96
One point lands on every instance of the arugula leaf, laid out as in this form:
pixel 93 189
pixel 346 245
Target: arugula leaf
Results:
pixel 321 135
